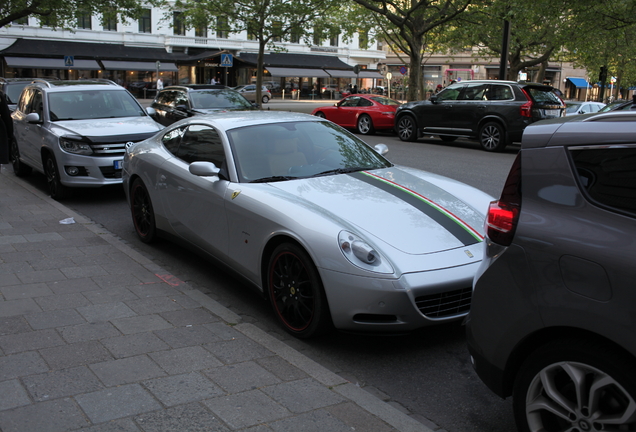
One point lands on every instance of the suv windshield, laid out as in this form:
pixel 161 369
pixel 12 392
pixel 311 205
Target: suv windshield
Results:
pixel 93 104
pixel 540 95
pixel 203 99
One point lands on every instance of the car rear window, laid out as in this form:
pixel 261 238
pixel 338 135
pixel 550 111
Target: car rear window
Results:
pixel 543 95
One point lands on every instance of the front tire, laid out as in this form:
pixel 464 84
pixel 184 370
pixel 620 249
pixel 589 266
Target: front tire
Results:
pixel 575 385
pixel 296 293
pixel 407 128
pixel 56 189
pixel 143 213
pixel 320 114
pixel 493 137
pixel 19 168
pixel 365 125
pixel 265 99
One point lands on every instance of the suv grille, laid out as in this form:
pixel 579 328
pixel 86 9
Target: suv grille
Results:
pixel 108 149
pixel 445 304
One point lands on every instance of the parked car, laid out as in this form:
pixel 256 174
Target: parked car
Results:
pixel 176 103
pixel 12 87
pixel 75 132
pixel 618 105
pixel 320 223
pixel 552 320
pixel 580 107
pixel 493 112
pixel 366 113
pixel 249 92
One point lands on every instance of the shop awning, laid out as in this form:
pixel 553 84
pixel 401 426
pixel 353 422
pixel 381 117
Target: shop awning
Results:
pixel 371 74
pixel 138 66
pixel 296 72
pixel 579 82
pixel 341 73
pixel 50 63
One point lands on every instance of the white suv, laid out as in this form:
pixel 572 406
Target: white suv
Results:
pixel 75 132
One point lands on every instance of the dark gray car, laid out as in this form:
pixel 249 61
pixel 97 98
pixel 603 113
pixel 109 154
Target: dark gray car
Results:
pixel 553 315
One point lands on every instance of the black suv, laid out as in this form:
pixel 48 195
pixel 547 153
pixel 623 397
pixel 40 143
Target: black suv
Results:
pixel 12 87
pixel 176 103
pixel 491 111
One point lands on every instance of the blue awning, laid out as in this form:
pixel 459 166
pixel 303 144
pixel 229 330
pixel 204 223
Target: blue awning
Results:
pixel 579 82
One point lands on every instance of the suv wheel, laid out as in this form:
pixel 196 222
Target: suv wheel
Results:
pixel 57 190
pixel 492 137
pixel 19 168
pixel 406 128
pixel 575 385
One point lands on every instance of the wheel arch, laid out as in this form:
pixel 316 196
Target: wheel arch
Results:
pixel 492 118
pixel 272 244
pixel 543 337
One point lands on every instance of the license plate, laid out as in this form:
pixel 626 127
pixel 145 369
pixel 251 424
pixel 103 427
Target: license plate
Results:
pixel 553 113
pixel 118 164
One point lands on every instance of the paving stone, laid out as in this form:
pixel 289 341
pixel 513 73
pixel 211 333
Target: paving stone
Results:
pixel 62 301
pixel 241 376
pixel 12 395
pixel 110 295
pixel 59 415
pixel 56 318
pixel 181 389
pixel 246 409
pixel 83 271
pixel 105 312
pixel 117 402
pixel 138 324
pixel 120 425
pixel 18 307
pixel 134 344
pixel 42 237
pixel 357 418
pixel 183 360
pixel 303 395
pixel 111 281
pixel 126 370
pixel 152 305
pixel 185 317
pixel 77 354
pixel 281 368
pixel 26 291
pixel 88 331
pixel 158 289
pixel 186 302
pixel 73 286
pixel 30 341
pixel 316 421
pixel 24 256
pixel 49 263
pixel 13 324
pixel 191 418
pixel 224 331
pixel 238 350
pixel 18 365
pixel 41 276
pixel 9 279
pixel 61 383
pixel 187 336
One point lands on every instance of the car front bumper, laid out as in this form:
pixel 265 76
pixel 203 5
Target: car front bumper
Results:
pixel 92 171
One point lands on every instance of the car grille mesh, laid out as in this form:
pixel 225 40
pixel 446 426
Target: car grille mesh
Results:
pixel 445 304
pixel 107 149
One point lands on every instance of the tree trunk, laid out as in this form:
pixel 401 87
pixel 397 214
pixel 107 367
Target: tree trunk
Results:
pixel 416 77
pixel 259 71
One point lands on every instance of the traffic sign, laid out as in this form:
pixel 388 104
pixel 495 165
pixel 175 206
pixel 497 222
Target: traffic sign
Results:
pixel 69 61
pixel 403 70
pixel 227 60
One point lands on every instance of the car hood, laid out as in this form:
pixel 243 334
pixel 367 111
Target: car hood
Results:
pixel 401 207
pixel 120 127
pixel 216 110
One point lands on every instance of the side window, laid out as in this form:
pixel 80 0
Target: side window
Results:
pixel 474 92
pixel 166 98
pixel 608 176
pixel 350 101
pixel 499 92
pixel 364 102
pixel 202 143
pixel 449 93
pixel 181 98
pixel 36 105
pixel 25 101
pixel 172 139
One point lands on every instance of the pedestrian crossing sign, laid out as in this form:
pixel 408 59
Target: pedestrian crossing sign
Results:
pixel 69 61
pixel 227 60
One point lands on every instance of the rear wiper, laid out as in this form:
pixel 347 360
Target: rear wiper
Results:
pixel 273 179
pixel 341 171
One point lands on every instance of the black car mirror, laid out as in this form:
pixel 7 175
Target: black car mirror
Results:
pixel 433 98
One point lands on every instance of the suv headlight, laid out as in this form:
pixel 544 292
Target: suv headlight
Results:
pixel 75 147
pixel 361 254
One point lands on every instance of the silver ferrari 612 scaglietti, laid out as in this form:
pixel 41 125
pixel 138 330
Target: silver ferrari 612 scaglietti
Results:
pixel 332 233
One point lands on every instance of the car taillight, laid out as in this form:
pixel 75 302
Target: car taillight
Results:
pixel 503 215
pixel 526 109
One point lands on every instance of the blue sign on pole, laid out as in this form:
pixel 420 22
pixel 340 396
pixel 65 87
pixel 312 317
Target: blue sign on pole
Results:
pixel 227 60
pixel 69 61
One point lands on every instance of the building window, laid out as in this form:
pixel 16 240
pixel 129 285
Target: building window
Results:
pixel 145 22
pixel 201 31
pixel 251 33
pixel 363 40
pixel 84 21
pixel 178 24
pixel 294 35
pixel 277 30
pixel 109 20
pixel 318 36
pixel 333 37
pixel 222 27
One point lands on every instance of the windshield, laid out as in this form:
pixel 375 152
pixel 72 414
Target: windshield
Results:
pixel 93 104
pixel 210 99
pixel 284 151
pixel 385 100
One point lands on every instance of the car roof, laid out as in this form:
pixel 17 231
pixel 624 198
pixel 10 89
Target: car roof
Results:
pixel 76 85
pixel 236 119
pixel 612 127
pixel 190 87
pixel 494 81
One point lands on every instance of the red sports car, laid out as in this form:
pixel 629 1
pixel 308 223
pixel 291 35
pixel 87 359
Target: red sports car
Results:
pixel 366 113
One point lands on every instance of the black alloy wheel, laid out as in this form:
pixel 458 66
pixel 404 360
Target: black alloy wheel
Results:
pixel 296 292
pixel 492 137
pixel 56 189
pixel 19 168
pixel 406 128
pixel 143 214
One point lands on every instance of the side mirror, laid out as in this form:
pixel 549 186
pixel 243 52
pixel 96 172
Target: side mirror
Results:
pixel 204 169
pixel 33 118
pixel 381 149
pixel 433 98
pixel 151 111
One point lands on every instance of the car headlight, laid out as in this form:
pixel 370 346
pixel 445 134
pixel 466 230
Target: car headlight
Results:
pixel 361 254
pixel 75 147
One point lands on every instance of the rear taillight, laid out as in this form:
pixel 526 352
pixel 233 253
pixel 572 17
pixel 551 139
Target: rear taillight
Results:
pixel 526 109
pixel 503 215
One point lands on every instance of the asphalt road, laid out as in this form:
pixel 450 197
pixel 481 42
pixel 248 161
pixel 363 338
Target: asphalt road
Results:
pixel 426 373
